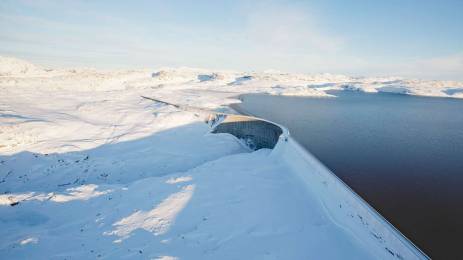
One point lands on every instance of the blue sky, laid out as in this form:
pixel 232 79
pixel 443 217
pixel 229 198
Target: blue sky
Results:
pixel 411 38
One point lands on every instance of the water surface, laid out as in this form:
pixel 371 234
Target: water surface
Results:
pixel 402 154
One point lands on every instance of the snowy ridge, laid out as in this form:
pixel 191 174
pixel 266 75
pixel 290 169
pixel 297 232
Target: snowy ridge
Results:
pixel 15 72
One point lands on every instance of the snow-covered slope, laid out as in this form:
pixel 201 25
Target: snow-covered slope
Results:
pixel 16 67
pixel 15 72
pixel 89 169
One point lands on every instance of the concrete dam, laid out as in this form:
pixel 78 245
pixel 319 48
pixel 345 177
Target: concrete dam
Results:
pixel 343 206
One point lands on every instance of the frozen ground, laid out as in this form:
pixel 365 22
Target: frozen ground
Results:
pixel 89 169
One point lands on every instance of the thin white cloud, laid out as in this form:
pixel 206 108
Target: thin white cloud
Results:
pixel 281 27
pixel 446 64
pixel 439 68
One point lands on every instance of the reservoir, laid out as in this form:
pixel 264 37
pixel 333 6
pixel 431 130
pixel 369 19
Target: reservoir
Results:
pixel 403 154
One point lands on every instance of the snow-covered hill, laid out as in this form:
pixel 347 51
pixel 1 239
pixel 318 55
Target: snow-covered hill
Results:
pixel 15 72
pixel 16 67
pixel 89 169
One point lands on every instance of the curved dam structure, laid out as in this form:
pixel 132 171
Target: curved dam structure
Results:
pixel 256 133
pixel 341 204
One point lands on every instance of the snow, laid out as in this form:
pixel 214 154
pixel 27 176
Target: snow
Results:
pixel 29 240
pixel 159 219
pixel 83 192
pixel 214 215
pixel 15 67
pixel 90 169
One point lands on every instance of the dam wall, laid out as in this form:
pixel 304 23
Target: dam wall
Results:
pixel 343 206
pixel 254 132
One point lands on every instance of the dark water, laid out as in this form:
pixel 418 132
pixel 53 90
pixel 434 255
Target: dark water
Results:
pixel 402 154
